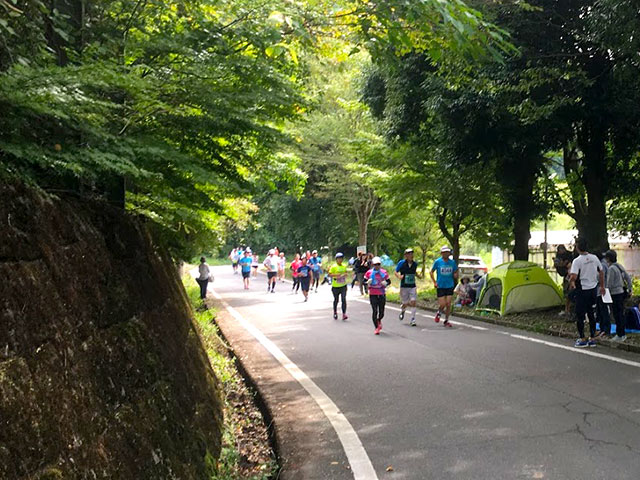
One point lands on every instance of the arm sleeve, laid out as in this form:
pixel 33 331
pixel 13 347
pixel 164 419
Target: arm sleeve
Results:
pixel 627 279
pixel 574 268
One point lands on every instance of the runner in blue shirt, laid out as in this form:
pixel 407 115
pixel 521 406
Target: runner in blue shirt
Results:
pixel 446 270
pixel 315 262
pixel 245 266
pixel 304 275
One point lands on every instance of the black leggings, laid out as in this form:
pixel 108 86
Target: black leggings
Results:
pixel 586 305
pixel 377 306
pixel 339 293
pixel 203 287
pixel 296 284
pixel 618 313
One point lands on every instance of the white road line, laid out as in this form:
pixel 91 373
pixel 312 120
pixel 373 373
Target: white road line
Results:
pixel 588 352
pixel 356 454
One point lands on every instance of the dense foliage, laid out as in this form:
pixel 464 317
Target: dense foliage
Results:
pixel 178 108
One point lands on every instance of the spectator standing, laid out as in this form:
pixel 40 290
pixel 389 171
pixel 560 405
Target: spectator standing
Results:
pixel 620 286
pixel 562 264
pixel 602 309
pixel 586 277
pixel 203 277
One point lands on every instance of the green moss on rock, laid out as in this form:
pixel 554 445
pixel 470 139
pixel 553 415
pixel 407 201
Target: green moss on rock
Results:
pixel 102 373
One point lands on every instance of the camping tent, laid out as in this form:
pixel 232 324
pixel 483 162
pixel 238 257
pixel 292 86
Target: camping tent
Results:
pixel 519 287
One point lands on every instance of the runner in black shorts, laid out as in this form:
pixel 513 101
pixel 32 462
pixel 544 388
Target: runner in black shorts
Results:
pixel 304 276
pixel 446 270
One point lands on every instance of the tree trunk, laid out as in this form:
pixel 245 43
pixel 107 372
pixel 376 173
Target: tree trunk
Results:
pixel 592 141
pixel 453 235
pixel 363 225
pixel 522 206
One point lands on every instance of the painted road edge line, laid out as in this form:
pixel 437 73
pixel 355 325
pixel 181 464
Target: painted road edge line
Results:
pixel 590 353
pixel 359 461
pixel 516 336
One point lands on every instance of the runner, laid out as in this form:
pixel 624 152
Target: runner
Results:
pixel 305 271
pixel 338 274
pixel 245 266
pixel 294 272
pixel 233 256
pixel 282 263
pixel 254 265
pixel 447 272
pixel 406 271
pixel 271 262
pixel 316 266
pixel 378 280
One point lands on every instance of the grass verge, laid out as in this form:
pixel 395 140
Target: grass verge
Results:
pixel 246 452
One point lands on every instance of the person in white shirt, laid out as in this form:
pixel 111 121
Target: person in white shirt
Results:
pixel 587 270
pixel 203 277
pixel 271 263
pixel 282 264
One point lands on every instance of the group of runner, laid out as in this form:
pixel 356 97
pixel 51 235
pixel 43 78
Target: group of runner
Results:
pixel 306 270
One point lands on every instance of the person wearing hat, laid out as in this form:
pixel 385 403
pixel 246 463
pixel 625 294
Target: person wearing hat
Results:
pixel 271 263
pixel 378 280
pixel 305 271
pixel 338 274
pixel 444 274
pixel 316 267
pixel 407 271
pixel 245 267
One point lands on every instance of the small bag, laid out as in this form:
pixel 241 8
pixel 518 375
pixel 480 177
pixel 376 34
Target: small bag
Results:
pixel 211 278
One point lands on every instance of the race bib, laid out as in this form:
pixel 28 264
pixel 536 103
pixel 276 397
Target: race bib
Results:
pixel 303 273
pixel 341 279
pixel 410 278
pixel 446 270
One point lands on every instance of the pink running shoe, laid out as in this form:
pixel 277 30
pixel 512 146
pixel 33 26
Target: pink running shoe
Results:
pixel 447 324
pixel 344 316
pixel 437 318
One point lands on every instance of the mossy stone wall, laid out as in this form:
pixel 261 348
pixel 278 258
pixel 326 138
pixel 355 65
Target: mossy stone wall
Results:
pixel 102 373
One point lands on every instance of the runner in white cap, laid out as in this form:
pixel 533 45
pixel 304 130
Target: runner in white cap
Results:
pixel 245 267
pixel 407 271
pixel 378 280
pixel 446 270
pixel 316 266
pixel 271 263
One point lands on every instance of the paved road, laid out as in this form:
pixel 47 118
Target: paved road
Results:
pixel 461 403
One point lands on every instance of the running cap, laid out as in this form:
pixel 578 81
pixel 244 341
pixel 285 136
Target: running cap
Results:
pixel 445 249
pixel 272 252
pixel 315 251
pixel 339 255
pixel 248 250
pixel 409 250
pixel 376 261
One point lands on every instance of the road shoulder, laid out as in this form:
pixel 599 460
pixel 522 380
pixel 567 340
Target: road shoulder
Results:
pixel 305 442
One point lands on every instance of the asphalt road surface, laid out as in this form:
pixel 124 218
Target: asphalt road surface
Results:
pixel 471 402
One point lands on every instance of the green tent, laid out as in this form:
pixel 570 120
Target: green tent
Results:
pixel 519 287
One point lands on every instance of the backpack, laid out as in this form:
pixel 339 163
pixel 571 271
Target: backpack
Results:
pixel 632 318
